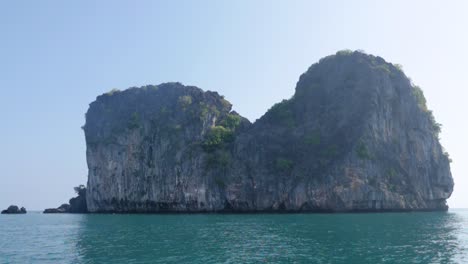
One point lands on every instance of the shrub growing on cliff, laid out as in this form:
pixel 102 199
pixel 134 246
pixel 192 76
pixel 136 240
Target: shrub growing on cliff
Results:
pixel 398 66
pixel 362 151
pixel 231 121
pixel 384 68
pixel 150 87
pixel 134 121
pixel 204 110
pixel 216 137
pixel 344 52
pixel 281 112
pixel 80 190
pixel 111 92
pixel 422 104
pixel 218 160
pixel 446 154
pixel 437 127
pixel 283 164
pixel 420 98
pixel 313 138
pixel 391 173
pixel 185 101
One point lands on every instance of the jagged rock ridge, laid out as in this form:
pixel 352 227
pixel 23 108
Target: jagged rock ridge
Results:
pixel 356 136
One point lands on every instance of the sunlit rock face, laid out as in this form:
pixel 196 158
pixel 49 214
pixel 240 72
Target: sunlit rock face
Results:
pixel 356 136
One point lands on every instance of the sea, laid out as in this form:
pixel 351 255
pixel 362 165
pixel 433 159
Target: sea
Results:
pixel 422 237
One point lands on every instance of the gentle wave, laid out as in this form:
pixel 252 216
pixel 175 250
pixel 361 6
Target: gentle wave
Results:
pixel 269 238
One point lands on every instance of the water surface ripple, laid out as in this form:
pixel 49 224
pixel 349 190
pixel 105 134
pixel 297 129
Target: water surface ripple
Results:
pixel 215 238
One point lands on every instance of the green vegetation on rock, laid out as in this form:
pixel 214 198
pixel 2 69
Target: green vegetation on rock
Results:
pixel 446 154
pixel 391 173
pixel 231 121
pixel 398 67
pixel 217 137
pixel 437 127
pixel 112 92
pixel 282 112
pixel 363 152
pixel 344 52
pixel 422 104
pixel 218 160
pixel 420 98
pixel 384 68
pixel 134 122
pixel 283 164
pixel 150 87
pixel 204 110
pixel 313 138
pixel 185 101
pixel 80 190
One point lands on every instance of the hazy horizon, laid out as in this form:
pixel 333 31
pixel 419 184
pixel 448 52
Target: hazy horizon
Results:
pixel 58 56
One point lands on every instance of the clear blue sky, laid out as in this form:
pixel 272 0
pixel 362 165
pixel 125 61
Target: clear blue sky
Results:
pixel 57 56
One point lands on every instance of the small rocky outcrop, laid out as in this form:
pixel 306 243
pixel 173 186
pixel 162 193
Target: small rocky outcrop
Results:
pixel 13 209
pixel 356 136
pixel 64 208
pixel 76 205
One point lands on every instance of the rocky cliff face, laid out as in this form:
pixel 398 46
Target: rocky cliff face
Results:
pixel 356 136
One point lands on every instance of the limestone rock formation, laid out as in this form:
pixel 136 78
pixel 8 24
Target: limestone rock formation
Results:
pixel 77 204
pixel 64 208
pixel 13 209
pixel 356 136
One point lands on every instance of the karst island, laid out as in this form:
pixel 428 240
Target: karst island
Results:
pixel 356 136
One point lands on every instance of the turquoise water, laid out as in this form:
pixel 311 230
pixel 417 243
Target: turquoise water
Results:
pixel 269 238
